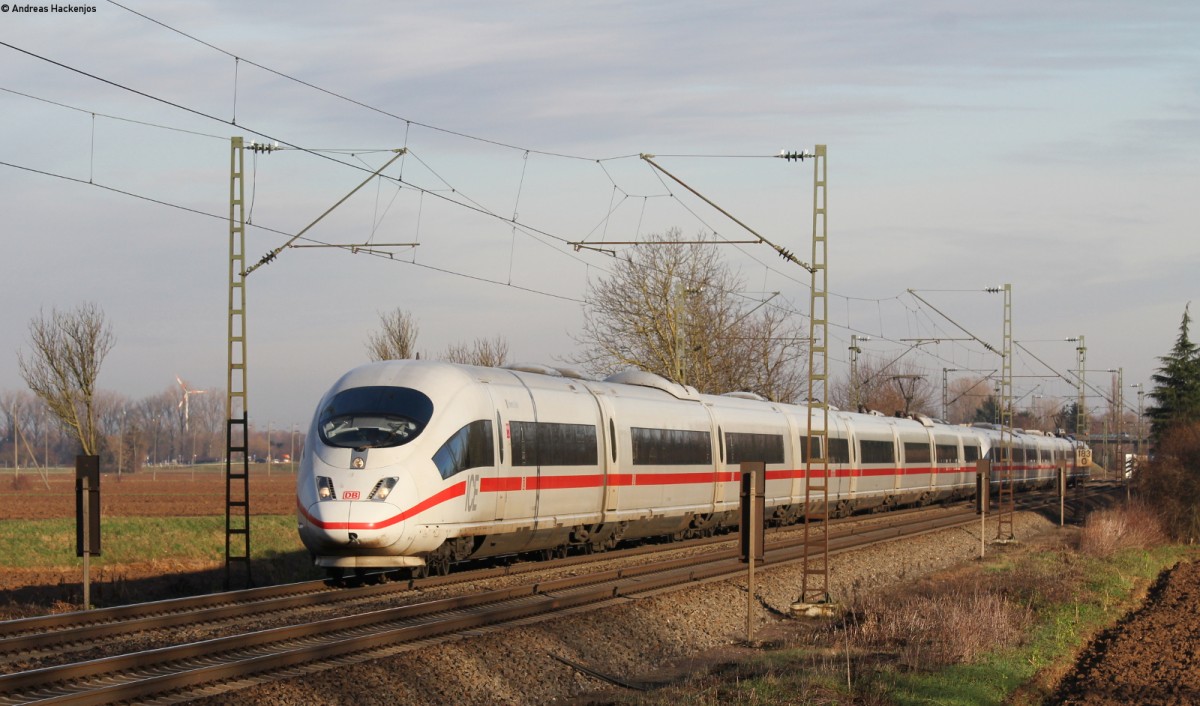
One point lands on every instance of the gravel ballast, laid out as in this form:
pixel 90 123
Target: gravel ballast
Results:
pixel 628 641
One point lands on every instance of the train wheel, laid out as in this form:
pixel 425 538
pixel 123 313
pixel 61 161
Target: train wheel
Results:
pixel 438 561
pixel 440 566
pixel 559 552
pixel 335 576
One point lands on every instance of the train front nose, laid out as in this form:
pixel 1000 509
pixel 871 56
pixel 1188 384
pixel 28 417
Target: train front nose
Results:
pixel 355 533
pixel 337 524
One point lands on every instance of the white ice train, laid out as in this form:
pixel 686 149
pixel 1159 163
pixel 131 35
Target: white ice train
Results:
pixel 420 464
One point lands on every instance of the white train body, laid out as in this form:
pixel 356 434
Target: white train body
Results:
pixel 413 460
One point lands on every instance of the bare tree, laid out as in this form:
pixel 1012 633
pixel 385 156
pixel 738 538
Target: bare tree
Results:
pixel 163 424
pixel 964 397
pixel 778 367
pixel 890 387
pixel 674 310
pixel 118 421
pixel 490 352
pixel 1043 411
pixel 17 409
pixel 68 350
pixel 208 424
pixel 396 338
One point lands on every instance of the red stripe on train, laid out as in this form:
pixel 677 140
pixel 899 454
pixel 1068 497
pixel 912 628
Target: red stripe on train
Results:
pixel 548 482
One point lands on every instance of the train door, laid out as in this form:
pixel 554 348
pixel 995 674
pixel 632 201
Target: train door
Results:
pixel 853 469
pixel 610 448
pixel 720 477
pixel 897 464
pixel 798 432
pixel 516 495
pixel 838 454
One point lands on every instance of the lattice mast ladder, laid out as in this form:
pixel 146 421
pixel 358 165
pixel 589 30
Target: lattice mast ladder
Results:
pixel 1006 500
pixel 814 586
pixel 237 431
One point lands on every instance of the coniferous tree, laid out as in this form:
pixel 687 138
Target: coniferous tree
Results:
pixel 1176 385
pixel 989 411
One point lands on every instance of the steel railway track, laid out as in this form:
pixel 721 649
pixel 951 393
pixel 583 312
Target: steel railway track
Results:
pixel 180 672
pixel 59 631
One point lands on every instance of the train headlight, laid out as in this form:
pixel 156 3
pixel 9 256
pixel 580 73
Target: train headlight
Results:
pixel 383 489
pixel 325 488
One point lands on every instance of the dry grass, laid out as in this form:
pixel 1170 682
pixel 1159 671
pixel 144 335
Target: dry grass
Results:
pixel 1132 526
pixel 942 625
pixel 957 618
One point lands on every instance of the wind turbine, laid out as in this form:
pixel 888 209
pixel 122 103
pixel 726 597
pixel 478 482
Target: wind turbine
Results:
pixel 183 403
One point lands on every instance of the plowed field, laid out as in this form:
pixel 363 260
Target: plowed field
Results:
pixel 151 493
pixel 1150 657
pixel 175 492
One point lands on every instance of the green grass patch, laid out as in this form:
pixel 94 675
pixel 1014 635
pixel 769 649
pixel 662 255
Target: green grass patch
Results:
pixel 50 544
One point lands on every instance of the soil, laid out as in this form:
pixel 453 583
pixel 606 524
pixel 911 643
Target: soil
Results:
pixel 175 492
pixel 178 492
pixel 1151 657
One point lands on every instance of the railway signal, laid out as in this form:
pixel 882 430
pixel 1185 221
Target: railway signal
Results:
pixel 87 518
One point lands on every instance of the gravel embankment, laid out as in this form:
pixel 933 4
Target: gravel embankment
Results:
pixel 629 641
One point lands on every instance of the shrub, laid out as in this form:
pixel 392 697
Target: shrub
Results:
pixel 1171 482
pixel 1133 526
pixel 949 624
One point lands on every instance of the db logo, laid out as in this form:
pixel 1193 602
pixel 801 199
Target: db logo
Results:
pixel 350 495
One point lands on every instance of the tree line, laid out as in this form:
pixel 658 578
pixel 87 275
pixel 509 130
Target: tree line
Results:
pixel 671 307
pixel 64 414
pixel 1170 480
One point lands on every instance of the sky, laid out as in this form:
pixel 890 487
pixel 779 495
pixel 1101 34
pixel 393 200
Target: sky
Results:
pixel 1051 146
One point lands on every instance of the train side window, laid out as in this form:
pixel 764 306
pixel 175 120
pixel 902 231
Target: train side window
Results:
pixel 872 451
pixel 839 450
pixel 469 447
pixel 767 448
pixel 947 453
pixel 670 447
pixel 612 435
pixel 553 444
pixel 816 445
pixel 916 452
pixel 971 453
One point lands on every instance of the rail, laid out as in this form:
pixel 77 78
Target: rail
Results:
pixel 185 670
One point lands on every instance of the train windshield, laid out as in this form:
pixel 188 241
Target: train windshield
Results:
pixel 374 417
